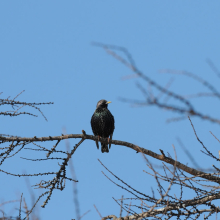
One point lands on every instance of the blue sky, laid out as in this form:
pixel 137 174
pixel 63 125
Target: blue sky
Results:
pixel 46 50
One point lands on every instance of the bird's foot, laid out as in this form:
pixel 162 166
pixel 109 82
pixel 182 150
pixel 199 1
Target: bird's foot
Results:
pixel 109 143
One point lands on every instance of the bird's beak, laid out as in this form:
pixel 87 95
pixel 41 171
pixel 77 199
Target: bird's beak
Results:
pixel 108 102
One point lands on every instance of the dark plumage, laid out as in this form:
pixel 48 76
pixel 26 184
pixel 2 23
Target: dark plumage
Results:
pixel 103 123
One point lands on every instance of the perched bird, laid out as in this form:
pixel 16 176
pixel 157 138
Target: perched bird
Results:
pixel 103 123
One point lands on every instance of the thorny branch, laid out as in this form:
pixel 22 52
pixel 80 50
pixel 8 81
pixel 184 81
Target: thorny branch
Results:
pixel 138 149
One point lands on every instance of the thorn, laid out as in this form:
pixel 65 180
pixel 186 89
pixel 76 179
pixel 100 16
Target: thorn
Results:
pixel 162 153
pixel 84 133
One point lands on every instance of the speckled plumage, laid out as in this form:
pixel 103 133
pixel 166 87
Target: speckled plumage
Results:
pixel 103 123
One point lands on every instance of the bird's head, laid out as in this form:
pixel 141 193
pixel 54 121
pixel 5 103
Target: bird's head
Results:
pixel 102 104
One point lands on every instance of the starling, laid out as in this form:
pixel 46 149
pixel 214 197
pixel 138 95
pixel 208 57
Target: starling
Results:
pixel 103 123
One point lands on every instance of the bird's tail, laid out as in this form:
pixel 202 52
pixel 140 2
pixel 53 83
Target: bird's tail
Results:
pixel 104 148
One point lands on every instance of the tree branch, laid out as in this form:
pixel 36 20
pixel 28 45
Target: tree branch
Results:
pixel 138 149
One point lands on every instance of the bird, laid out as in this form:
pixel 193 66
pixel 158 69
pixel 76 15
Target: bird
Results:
pixel 103 124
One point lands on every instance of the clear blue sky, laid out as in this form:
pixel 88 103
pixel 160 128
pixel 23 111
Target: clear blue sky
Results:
pixel 45 49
